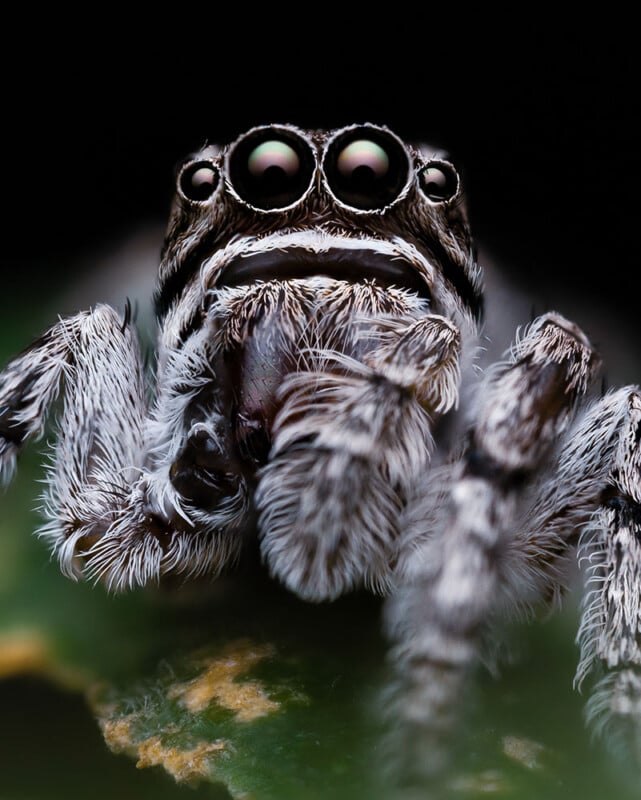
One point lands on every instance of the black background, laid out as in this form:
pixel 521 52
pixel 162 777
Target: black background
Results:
pixel 542 114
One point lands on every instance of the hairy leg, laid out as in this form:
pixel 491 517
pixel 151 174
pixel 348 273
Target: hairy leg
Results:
pixel 437 620
pixel 213 391
pixel 610 552
pixel 100 431
pixel 185 510
pixel 112 509
pixel 347 440
pixel 30 383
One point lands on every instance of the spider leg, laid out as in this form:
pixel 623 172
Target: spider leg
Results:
pixel 346 440
pixel 184 512
pixel 30 383
pixel 437 620
pixel 591 494
pixel 610 549
pixel 190 511
pixel 113 506
pixel 100 430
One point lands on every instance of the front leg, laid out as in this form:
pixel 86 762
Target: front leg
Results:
pixel 438 619
pixel 100 432
pixel 347 441
pixel 30 383
pixel 131 494
pixel 610 550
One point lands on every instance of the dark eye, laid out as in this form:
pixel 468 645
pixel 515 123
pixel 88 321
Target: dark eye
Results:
pixel 366 168
pixel 271 168
pixel 439 181
pixel 198 181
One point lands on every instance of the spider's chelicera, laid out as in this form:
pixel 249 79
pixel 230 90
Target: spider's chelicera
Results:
pixel 320 311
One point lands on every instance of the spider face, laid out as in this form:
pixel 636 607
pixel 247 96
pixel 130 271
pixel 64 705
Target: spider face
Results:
pixel 334 227
pixel 319 306
pixel 353 205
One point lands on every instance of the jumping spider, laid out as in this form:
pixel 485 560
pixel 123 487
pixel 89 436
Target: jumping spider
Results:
pixel 317 391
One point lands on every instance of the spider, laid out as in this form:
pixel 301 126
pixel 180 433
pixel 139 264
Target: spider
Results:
pixel 317 395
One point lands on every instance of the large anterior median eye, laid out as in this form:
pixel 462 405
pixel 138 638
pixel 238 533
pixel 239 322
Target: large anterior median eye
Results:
pixel 366 167
pixel 271 168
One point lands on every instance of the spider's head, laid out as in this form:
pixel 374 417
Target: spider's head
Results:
pixel 355 204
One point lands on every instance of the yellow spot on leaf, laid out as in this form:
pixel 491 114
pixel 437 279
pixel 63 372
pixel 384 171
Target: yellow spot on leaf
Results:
pixel 218 682
pixel 185 765
pixel 117 733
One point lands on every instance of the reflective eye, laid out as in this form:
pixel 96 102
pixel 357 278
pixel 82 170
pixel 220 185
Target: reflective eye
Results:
pixel 198 181
pixel 273 160
pixel 439 181
pixel 366 168
pixel 363 160
pixel 271 168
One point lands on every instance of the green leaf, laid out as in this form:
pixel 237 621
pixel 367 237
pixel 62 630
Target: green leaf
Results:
pixel 235 682
pixel 239 687
pixel 281 711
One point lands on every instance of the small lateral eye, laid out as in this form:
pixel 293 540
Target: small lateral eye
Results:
pixel 439 181
pixel 198 180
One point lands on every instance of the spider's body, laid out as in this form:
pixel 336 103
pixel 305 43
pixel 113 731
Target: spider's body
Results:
pixel 320 307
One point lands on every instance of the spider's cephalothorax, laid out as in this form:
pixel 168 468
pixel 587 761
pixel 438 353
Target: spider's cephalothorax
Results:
pixel 319 307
